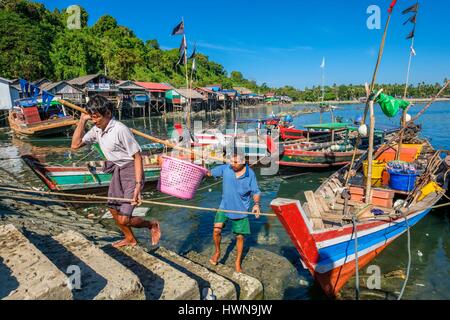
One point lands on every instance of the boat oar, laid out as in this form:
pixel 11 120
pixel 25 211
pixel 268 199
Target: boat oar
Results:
pixel 151 138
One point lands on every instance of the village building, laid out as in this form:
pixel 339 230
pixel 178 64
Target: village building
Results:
pixel 180 99
pixel 132 99
pixel 210 98
pixel 155 96
pixel 63 90
pixel 9 92
pixel 94 84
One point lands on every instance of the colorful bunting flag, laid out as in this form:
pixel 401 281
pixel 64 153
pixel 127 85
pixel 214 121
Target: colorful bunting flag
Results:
pixel 179 29
pixel 411 19
pixel 411 34
pixel 413 8
pixel 182 50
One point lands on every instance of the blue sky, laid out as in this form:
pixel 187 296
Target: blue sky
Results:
pixel 283 42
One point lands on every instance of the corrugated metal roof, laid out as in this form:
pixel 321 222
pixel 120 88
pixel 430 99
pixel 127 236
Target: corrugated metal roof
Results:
pixel 83 80
pixel 51 85
pixel 153 86
pixel 205 90
pixel 189 93
pixel 6 80
pixel 129 85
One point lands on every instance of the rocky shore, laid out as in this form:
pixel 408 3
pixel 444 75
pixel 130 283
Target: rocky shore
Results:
pixel 48 250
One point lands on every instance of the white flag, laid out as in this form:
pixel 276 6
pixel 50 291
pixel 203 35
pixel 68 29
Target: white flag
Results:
pixel 193 65
pixel 413 52
pixel 323 63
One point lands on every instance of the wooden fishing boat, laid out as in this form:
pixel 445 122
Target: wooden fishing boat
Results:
pixel 252 143
pixel 29 119
pixel 335 153
pixel 323 230
pixel 87 178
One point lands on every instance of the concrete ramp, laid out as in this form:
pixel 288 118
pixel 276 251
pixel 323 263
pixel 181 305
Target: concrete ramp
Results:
pixel 26 273
pixel 248 288
pixel 119 282
pixel 221 288
pixel 161 281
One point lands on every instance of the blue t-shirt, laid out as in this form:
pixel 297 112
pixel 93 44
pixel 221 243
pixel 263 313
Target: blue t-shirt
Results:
pixel 237 192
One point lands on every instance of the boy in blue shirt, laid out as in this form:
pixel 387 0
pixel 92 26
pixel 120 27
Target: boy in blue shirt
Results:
pixel 239 187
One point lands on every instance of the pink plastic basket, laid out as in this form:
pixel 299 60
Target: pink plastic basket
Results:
pixel 180 178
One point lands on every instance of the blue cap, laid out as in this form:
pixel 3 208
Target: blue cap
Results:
pixel 359 119
pixel 288 118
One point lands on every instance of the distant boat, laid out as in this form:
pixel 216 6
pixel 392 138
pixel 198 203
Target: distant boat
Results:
pixel 28 118
pixel 82 178
pixel 337 151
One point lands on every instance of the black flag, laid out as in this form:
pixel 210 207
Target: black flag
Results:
pixel 411 19
pixel 183 48
pixel 413 8
pixel 179 29
pixel 193 52
pixel 411 34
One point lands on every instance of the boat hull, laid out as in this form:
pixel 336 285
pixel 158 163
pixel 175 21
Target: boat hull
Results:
pixel 43 129
pixel 313 159
pixel 79 179
pixel 329 254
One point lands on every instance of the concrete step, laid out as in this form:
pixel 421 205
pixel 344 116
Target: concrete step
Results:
pixel 25 272
pixel 248 288
pixel 161 281
pixel 102 277
pixel 222 288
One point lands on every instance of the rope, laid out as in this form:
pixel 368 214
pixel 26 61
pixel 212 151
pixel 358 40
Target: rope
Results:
pixel 203 188
pixel 408 269
pixel 86 156
pixel 47 199
pixel 131 200
pixel 356 258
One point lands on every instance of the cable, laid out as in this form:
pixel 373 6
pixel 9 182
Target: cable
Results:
pixel 356 258
pixel 409 258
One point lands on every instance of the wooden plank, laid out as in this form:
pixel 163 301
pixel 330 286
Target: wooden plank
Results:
pixel 314 210
pixel 323 203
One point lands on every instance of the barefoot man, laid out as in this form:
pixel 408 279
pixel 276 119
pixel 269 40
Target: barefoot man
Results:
pixel 239 187
pixel 124 161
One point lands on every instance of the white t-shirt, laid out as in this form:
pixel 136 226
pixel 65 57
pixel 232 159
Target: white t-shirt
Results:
pixel 116 141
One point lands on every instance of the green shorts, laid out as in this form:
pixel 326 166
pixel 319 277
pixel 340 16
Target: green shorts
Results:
pixel 238 226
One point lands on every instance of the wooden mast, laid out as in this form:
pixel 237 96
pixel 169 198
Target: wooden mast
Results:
pixel 368 196
pixel 372 86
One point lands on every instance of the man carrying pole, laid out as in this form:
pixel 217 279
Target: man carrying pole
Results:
pixel 239 187
pixel 124 162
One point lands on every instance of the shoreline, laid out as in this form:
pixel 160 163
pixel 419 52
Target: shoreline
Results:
pixel 335 102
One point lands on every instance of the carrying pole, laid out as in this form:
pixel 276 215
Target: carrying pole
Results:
pixel 151 138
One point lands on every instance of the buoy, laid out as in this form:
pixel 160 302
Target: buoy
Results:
pixel 408 117
pixel 362 130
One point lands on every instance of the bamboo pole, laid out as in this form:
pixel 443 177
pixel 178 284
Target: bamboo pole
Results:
pixel 370 155
pixel 151 138
pixel 372 85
